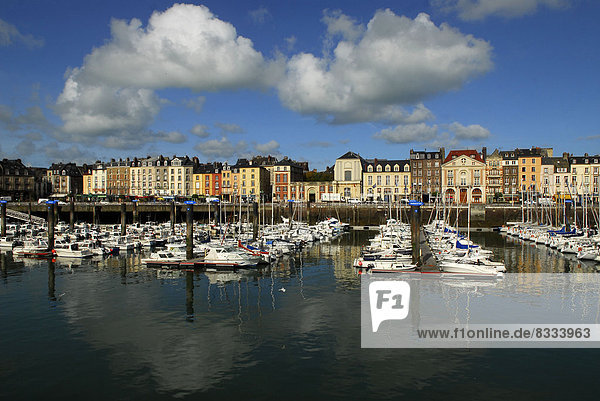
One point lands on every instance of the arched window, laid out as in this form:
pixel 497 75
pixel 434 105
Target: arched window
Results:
pixel 396 168
pixel 370 169
pixel 406 167
pixel 387 167
pixel 379 169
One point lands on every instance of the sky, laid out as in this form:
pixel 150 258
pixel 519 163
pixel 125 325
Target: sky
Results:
pixel 94 80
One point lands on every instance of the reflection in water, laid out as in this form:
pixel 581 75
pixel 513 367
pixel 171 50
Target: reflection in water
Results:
pixel 218 335
pixel 189 295
pixel 51 280
pixel 521 256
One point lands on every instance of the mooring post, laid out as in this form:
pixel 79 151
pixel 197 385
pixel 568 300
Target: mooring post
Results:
pixel 135 211
pixel 291 210
pixel 123 218
pixel 415 231
pixel 3 218
pixel 29 211
pixel 567 212
pixel 96 215
pixel 189 222
pixel 173 216
pixel 50 205
pixel 72 214
pixel 254 221
pixel 56 210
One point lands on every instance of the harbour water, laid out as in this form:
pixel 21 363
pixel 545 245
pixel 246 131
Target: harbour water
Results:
pixel 110 329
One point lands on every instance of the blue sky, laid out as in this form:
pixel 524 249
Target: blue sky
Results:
pixel 311 80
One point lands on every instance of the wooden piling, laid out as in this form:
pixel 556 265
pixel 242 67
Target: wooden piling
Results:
pixel 415 231
pixel 3 218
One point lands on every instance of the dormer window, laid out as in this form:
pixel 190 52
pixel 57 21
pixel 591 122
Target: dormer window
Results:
pixel 379 168
pixel 396 168
pixel 370 169
pixel 387 167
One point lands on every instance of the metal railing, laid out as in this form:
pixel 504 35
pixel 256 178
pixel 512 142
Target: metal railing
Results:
pixel 24 216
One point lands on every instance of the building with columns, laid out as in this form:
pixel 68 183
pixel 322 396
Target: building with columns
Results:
pixel 463 177
pixel 348 175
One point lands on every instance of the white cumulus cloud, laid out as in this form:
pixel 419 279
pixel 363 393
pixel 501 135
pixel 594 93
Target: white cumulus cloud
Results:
pixel 229 128
pixel 408 133
pixel 474 131
pixel 267 148
pixel 395 62
pixel 110 99
pixel 200 130
pixel 221 148
pixel 470 10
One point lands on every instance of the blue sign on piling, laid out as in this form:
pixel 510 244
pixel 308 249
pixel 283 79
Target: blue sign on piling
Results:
pixel 415 203
pixel 189 202
pixel 2 201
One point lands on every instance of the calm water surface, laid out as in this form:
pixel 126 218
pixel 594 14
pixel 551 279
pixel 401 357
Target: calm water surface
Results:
pixel 113 330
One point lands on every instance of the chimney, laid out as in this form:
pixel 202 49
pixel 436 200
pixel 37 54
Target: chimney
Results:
pixel 566 155
pixel 585 155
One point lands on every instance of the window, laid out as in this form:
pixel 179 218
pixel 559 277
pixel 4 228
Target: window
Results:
pixel 379 169
pixel 378 180
pixel 532 161
pixel 387 167
pixel 348 175
pixel 396 168
pixel 387 180
pixel 533 169
pixel 522 169
pixel 370 180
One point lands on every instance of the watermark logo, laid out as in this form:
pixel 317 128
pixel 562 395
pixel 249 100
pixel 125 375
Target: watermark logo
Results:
pixel 389 301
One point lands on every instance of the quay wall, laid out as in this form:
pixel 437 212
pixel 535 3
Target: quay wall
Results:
pixel 482 216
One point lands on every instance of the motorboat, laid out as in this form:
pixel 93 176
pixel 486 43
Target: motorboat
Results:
pixel 71 250
pixel 163 258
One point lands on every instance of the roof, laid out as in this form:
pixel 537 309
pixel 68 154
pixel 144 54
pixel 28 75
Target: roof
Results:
pixel 453 154
pixel 509 154
pixel 350 155
pixel 586 159
pixel 69 168
pixel 494 155
pixel 534 152
pixel 423 154
pixel 287 162
pixel 385 162
pixel 555 161
pixel 10 167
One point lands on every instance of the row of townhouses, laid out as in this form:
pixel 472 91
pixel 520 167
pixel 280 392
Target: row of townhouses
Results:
pixel 469 176
pixel 458 176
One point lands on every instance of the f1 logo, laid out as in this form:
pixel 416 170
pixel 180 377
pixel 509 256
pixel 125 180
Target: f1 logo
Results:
pixel 389 300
